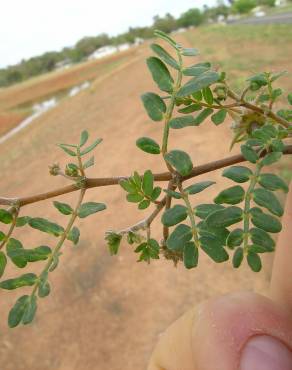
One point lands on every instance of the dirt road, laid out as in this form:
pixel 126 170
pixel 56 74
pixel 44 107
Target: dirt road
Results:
pixel 106 312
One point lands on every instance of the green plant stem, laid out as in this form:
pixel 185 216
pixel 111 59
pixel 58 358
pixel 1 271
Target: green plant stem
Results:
pixel 247 200
pixel 63 237
pixel 186 199
pixel 11 229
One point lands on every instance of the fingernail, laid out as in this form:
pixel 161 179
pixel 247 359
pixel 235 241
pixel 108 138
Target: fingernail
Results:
pixel 265 353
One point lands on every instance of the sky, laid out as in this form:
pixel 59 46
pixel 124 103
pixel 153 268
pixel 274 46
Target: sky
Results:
pixel 32 27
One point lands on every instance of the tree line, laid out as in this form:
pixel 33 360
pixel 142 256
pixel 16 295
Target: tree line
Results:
pixel 86 46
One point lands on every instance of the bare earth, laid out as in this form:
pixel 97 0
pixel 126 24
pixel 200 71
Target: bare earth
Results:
pixel 106 312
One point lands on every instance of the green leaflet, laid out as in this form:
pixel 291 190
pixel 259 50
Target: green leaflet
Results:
pixel 266 222
pixel 181 122
pixel 249 153
pixel 204 210
pixel 225 217
pixel 64 208
pixel 147 183
pixel 267 199
pixel 271 158
pixel 148 145
pixel 180 160
pixel 237 257
pixel 74 235
pixel 200 186
pixel 5 216
pixel 254 261
pixel 46 226
pixel 166 38
pixel 154 105
pixel 272 182
pixel 173 194
pixel 238 174
pixel 190 255
pixel 90 147
pixel 202 116
pixel 160 74
pixel 179 237
pixel 232 195
pixel 89 208
pixel 219 117
pixel 174 215
pixel 190 52
pixel 83 138
pixel 198 83
pixel 190 108
pixel 3 263
pixel 17 311
pixel 113 241
pixel 195 71
pixel 221 233
pixel 213 248
pixel 235 238
pixel 165 56
pixel 208 95
pixel 15 252
pixel 23 280
pixel 263 239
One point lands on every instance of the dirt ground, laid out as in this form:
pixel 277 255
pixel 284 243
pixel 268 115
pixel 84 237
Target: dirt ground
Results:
pixel 106 312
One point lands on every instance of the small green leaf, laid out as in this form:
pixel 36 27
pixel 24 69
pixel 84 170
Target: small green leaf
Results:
pixel 266 222
pixel 55 261
pixel 213 248
pixel 237 257
pixel 17 311
pixel 5 216
pixel 190 255
pixel 174 215
pixel 37 254
pixel 147 183
pixel 44 289
pixel 148 145
pixel 89 208
pixel 200 186
pixel 166 38
pixel 91 147
pixel 237 173
pixel 254 261
pixel 74 235
pixel 23 280
pixel 195 70
pixel 272 182
pixel 22 221
pixel 249 153
pixel 181 122
pixel 289 98
pixel 267 199
pixel 198 83
pixel 84 137
pixel 135 198
pixel 180 160
pixel 3 262
pixel 221 233
pixel 67 150
pixel 113 241
pixel 202 116
pixel 173 194
pixel 30 310
pixel 165 56
pixel 64 208
pixel 271 158
pixel 190 108
pixel 160 74
pixel 156 192
pixel 262 238
pixel 128 186
pixel 144 204
pixel 154 105
pixel 232 195
pixel 190 52
pixel 219 117
pixel 179 237
pixel 204 210
pixel 46 226
pixel 235 238
pixel 15 252
pixel 208 95
pixel 225 217
pixel 88 163
pixel 2 236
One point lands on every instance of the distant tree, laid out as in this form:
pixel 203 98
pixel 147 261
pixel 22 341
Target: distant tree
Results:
pixel 244 6
pixel 193 17
pixel 270 3
pixel 165 24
